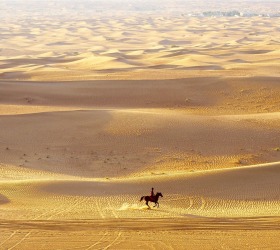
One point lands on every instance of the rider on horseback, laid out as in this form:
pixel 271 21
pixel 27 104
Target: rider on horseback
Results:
pixel 152 198
pixel 152 194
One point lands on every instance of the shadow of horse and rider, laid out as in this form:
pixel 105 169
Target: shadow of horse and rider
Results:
pixel 152 198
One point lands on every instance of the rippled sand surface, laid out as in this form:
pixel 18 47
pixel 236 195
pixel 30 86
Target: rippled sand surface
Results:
pixel 96 111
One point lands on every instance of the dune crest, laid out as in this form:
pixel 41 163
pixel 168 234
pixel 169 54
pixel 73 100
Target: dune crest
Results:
pixel 101 100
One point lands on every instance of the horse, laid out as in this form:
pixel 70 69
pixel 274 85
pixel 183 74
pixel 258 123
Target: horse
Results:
pixel 154 199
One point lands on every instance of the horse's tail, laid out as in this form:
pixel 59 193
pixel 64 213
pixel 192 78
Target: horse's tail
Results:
pixel 142 198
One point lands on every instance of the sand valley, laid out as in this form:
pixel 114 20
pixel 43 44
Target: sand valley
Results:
pixel 97 109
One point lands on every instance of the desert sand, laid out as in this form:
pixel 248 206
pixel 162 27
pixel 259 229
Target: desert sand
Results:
pixel 94 112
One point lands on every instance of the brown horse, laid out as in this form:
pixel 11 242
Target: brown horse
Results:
pixel 152 199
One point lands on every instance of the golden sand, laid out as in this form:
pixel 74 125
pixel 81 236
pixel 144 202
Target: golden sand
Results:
pixel 93 116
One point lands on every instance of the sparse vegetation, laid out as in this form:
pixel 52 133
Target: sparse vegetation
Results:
pixel 187 100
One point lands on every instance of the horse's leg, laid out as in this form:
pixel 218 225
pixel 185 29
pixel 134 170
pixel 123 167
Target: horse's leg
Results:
pixel 147 204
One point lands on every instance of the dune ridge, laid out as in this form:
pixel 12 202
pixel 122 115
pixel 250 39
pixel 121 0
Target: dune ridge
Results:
pixel 152 49
pixel 96 110
pixel 98 146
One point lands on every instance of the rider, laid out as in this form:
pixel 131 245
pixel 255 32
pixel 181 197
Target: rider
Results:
pixel 152 194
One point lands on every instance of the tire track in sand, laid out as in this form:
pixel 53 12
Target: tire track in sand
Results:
pixel 203 203
pixel 191 203
pixel 97 202
pixel 165 245
pixel 49 212
pixel 88 247
pixel 20 241
pixel 98 242
pixel 112 242
pixel 54 212
pixel 78 202
pixel 101 214
pixel 9 237
pixel 111 208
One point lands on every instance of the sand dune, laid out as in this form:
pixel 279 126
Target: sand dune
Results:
pixel 137 132
pixel 212 194
pixel 202 202
pixel 96 110
pixel 84 51
pixel 89 150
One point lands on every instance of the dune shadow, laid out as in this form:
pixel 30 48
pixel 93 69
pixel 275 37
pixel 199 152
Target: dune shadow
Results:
pixel 3 199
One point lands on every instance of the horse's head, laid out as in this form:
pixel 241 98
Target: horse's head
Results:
pixel 159 194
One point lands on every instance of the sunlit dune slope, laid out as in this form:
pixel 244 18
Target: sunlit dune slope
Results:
pixel 138 47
